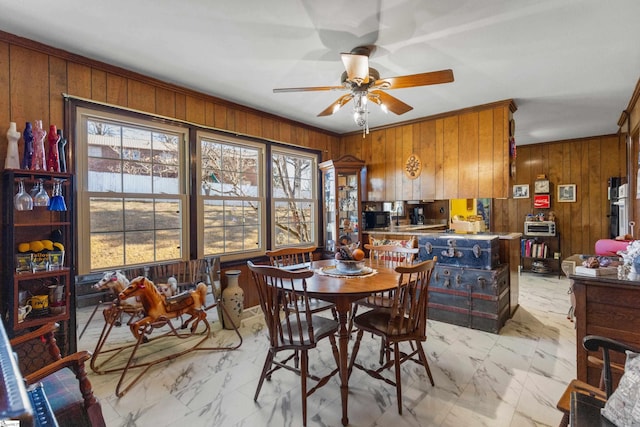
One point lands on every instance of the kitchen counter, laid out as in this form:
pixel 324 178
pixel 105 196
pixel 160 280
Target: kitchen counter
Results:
pixel 438 230
pixel 407 228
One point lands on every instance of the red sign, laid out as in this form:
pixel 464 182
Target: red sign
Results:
pixel 541 201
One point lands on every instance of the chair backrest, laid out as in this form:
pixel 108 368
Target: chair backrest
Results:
pixel 291 256
pixel 409 308
pixel 285 304
pixel 186 273
pixel 596 342
pixel 212 269
pixel 391 255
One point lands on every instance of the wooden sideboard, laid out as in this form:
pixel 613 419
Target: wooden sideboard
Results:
pixel 607 307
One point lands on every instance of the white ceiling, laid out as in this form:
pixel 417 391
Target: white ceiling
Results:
pixel 570 65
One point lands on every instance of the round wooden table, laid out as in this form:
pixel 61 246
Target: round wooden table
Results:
pixel 343 292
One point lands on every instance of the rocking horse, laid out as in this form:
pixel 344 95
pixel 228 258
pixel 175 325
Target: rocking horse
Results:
pixel 158 312
pixel 157 308
pixel 115 282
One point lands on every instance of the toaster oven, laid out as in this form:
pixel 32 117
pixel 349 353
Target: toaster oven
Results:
pixel 540 228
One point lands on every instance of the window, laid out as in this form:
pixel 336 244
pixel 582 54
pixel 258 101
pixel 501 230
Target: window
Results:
pixel 294 197
pixel 132 192
pixel 232 196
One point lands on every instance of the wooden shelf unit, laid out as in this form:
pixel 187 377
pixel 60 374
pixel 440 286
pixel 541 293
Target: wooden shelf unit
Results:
pixel 27 226
pixel 552 243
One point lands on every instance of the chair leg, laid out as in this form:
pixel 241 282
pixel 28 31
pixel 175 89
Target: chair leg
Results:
pixel 265 370
pixel 352 315
pixel 303 386
pixel 354 352
pixel 396 355
pixel 425 362
pixel 385 350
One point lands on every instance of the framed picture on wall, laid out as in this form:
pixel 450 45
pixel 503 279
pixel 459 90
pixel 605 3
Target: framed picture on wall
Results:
pixel 567 193
pixel 521 191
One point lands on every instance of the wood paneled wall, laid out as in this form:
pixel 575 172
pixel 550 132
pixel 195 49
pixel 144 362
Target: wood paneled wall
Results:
pixel 34 76
pixel 464 154
pixel 588 163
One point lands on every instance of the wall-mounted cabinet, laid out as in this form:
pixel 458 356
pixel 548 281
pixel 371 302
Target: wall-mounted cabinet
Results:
pixel 342 185
pixel 37 246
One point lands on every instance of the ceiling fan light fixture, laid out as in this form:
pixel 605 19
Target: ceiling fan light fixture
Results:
pixel 360 111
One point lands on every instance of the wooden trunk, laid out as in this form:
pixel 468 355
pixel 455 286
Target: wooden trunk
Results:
pixel 475 298
pixel 460 250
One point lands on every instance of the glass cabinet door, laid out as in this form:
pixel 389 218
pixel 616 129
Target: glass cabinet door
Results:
pixel 342 191
pixel 331 233
pixel 348 216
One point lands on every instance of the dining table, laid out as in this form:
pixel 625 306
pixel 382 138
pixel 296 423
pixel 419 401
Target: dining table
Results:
pixel 343 290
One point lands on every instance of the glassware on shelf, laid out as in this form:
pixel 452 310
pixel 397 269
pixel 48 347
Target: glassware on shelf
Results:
pixel 53 159
pixel 34 190
pixel 61 151
pixel 39 160
pixel 22 200
pixel 27 134
pixel 41 198
pixel 57 203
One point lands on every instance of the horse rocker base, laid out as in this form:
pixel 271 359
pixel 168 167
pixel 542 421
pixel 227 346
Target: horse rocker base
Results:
pixel 158 313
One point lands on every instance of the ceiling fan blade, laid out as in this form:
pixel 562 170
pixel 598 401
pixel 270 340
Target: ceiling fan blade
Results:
pixel 336 105
pixel 422 79
pixel 308 89
pixel 357 67
pixel 392 103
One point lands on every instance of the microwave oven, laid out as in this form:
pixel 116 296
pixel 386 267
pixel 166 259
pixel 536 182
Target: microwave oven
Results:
pixel 539 228
pixel 376 219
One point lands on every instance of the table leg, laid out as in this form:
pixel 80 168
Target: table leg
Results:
pixel 343 341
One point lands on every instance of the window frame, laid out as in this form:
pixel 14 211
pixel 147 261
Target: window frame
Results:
pixel 125 118
pixel 263 235
pixel 314 200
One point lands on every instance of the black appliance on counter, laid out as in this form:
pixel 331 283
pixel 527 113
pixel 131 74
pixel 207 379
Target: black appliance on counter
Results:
pixel 376 219
pixel 417 217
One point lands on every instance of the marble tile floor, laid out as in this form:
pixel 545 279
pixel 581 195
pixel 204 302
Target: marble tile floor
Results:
pixel 482 379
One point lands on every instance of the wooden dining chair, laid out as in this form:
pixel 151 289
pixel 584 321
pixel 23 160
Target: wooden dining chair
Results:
pixel 389 256
pixel 404 321
pixel 603 392
pixel 291 325
pixel 300 258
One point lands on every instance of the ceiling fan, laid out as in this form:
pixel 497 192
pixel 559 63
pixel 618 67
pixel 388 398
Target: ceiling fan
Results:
pixel 364 84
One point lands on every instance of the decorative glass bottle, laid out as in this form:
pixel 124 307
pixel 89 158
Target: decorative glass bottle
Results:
pixel 61 151
pixel 39 135
pixel 53 159
pixel 27 157
pixel 13 158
